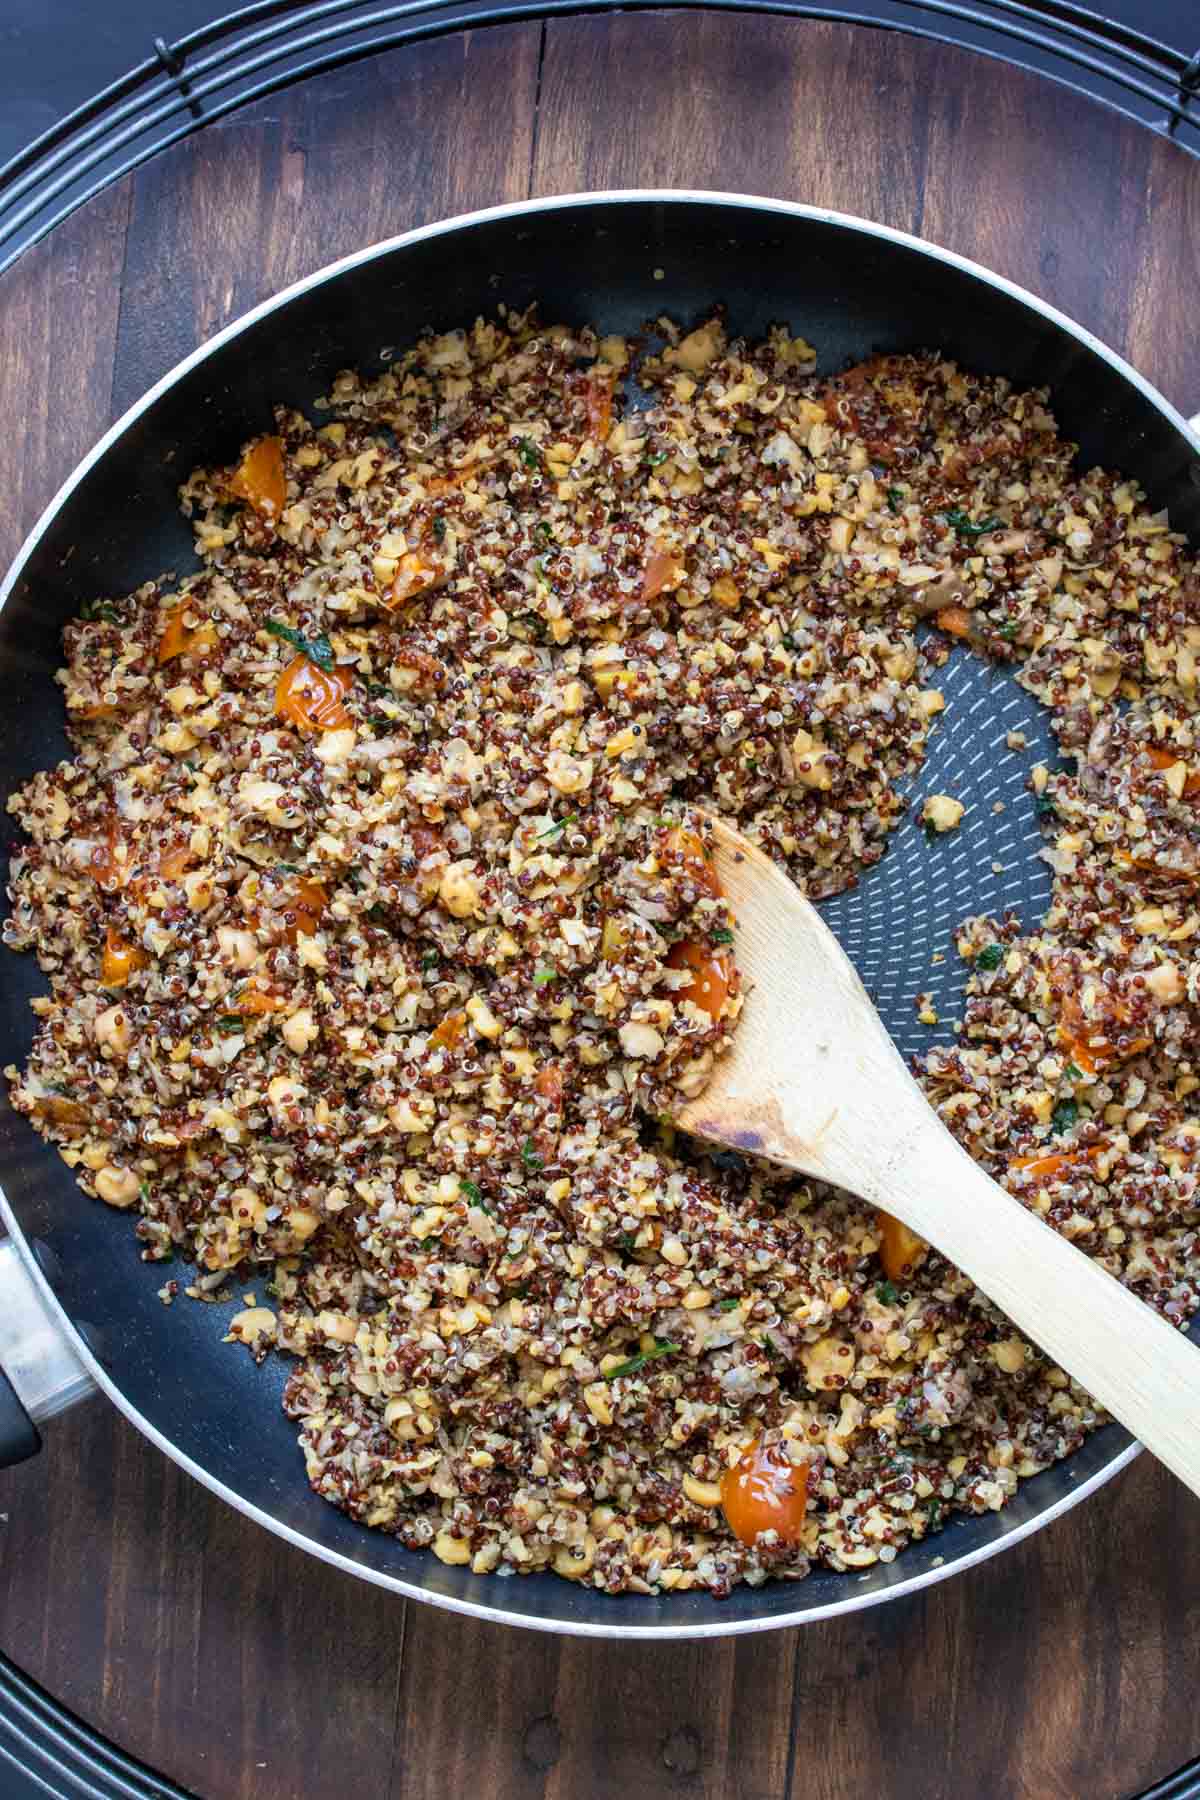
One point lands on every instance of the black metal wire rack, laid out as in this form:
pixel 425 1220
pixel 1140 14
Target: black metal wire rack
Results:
pixel 266 46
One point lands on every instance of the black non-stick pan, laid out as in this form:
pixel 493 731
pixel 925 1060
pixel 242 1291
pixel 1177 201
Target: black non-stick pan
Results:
pixel 75 1300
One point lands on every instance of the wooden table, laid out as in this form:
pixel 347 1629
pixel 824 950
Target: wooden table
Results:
pixel 199 1642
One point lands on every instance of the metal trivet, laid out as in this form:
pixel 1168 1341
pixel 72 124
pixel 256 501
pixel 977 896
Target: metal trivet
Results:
pixel 264 47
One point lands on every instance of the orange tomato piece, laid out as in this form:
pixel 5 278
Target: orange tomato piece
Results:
pixel 954 619
pixel 311 697
pixel 119 960
pixel 548 1082
pixel 416 574
pixel 175 862
pixel 765 1492
pixel 899 1248
pixel 177 640
pixel 1165 759
pixel 308 905
pixel 712 973
pixel 253 1000
pixel 259 477
pixel 598 401
pixel 684 847
pixel 101 710
pixel 449 1033
pixel 107 867
pixel 1087 1037
pixel 1042 1167
pixel 662 575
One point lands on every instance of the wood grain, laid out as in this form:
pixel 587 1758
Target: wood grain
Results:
pixel 198 1641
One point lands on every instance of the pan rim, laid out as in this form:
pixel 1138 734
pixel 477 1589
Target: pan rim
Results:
pixel 479 1609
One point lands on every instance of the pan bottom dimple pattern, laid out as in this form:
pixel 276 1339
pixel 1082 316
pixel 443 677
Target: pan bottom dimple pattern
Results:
pixel 899 925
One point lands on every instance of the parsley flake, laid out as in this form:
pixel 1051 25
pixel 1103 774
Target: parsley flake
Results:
pixel 895 499
pixel 990 957
pixel 1064 1115
pixel 887 1293
pixel 529 1156
pixel 96 609
pixel 528 451
pixel 966 526
pixel 230 1023
pixel 553 830
pixel 632 1364
pixel 1072 1073
pixel 318 650
pixel 542 976
pixel 730 1304
pixel 439 529
pixel 430 960
pixel 472 1191
pixel 722 935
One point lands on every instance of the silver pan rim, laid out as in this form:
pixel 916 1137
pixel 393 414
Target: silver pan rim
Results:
pixel 616 197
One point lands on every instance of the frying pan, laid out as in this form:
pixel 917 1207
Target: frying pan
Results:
pixel 77 1306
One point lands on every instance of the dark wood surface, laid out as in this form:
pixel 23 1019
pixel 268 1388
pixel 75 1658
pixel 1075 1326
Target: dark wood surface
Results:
pixel 1069 1666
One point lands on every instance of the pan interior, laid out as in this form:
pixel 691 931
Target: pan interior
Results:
pixel 616 264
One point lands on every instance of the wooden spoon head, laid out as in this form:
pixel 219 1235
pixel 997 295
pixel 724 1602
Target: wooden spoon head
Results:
pixel 811 1064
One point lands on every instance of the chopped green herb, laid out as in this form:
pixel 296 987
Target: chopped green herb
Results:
pixel 553 830
pixel 728 1305
pixel 1044 806
pixel 966 526
pixel 934 1519
pixel 541 532
pixel 427 1243
pixel 1064 1115
pixel 722 935
pixel 1072 1073
pixel 529 453
pixel 228 1023
pixel 430 960
pixel 318 650
pixel 439 529
pixel 144 1191
pixel 529 1155
pixel 632 1364
pixel 377 914
pixel 60 1087
pixel 354 877
pixel 289 868
pixel 95 609
pixel 990 957
pixel 542 976
pixel 1009 629
pixel 656 458
pixel 895 499
pixel 887 1293
pixel 788 641
pixel 542 568
pixel 379 690
pixel 628 1242
pixel 472 1190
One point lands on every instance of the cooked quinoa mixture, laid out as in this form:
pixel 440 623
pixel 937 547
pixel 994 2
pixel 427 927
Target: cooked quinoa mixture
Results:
pixel 382 934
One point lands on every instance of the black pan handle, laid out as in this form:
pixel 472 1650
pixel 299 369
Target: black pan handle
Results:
pixel 40 1371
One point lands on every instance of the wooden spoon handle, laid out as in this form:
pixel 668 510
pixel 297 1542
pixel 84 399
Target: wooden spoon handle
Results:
pixel 1140 1368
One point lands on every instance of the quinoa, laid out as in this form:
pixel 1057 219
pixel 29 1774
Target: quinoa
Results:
pixel 382 937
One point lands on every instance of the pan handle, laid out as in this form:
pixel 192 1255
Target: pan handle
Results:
pixel 40 1374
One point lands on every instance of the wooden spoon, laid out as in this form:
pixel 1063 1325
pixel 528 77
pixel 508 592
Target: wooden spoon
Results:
pixel 813 1081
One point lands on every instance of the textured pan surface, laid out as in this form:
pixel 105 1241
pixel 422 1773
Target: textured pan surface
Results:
pixel 617 260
